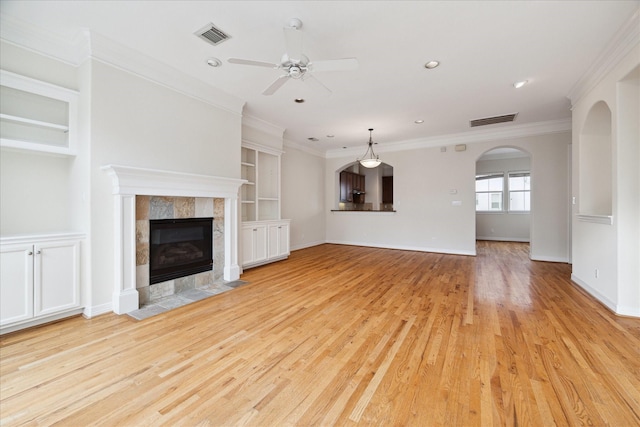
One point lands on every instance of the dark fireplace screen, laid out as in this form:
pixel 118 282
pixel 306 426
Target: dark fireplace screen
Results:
pixel 179 247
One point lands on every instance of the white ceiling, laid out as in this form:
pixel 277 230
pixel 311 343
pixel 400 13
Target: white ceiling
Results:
pixel 484 47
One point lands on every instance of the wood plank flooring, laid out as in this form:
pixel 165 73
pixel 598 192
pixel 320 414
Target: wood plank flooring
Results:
pixel 342 335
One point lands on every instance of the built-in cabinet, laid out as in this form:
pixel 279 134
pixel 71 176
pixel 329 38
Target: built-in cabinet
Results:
pixel 36 115
pixel 40 279
pixel 264 242
pixel 265 236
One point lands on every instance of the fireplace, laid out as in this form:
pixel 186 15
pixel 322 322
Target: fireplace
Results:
pixel 127 182
pixel 179 247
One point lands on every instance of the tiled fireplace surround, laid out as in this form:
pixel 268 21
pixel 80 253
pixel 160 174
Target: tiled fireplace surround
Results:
pixel 172 193
pixel 162 207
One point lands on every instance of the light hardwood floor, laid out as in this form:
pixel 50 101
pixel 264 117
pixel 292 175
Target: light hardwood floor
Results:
pixel 341 335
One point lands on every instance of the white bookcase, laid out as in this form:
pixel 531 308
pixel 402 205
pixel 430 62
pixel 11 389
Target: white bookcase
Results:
pixel 37 116
pixel 261 193
pixel 265 236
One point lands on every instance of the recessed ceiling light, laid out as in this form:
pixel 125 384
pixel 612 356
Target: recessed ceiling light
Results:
pixel 518 85
pixel 314 139
pixel 431 64
pixel 298 100
pixel 330 136
pixel 419 122
pixel 214 62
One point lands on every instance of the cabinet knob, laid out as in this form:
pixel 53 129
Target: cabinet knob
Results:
pixel 30 253
pixel 39 252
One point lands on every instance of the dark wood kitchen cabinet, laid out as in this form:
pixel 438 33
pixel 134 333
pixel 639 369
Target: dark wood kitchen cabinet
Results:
pixel 387 189
pixel 350 182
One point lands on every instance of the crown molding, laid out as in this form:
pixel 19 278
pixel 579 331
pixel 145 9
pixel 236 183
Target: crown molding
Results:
pixel 303 148
pixel 90 45
pixel 471 137
pixel 262 126
pixel 117 55
pixel 70 50
pixel 618 47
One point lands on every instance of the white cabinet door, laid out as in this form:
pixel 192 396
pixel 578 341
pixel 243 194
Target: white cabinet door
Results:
pixel 260 239
pixel 16 283
pixel 56 277
pixel 254 244
pixel 278 240
pixel 283 239
pixel 248 246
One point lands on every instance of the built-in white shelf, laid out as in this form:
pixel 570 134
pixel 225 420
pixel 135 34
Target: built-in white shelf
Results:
pixel 37 116
pixel 32 122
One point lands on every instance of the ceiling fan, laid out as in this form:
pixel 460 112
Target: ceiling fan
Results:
pixel 296 65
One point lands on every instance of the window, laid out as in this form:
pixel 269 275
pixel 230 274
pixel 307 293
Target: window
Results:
pixel 519 191
pixel 489 188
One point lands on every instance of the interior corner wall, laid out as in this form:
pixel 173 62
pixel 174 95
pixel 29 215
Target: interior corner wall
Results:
pixel 605 257
pixel 136 122
pixel 303 197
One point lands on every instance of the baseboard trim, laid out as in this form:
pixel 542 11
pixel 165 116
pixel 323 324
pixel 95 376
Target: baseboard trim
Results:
pixel 97 310
pixel 307 245
pixel 618 310
pixel 404 248
pixel 504 239
pixel 548 259
pixel 40 321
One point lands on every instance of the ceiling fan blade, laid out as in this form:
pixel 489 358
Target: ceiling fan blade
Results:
pixel 317 84
pixel 293 41
pixel 277 84
pixel 345 64
pixel 250 62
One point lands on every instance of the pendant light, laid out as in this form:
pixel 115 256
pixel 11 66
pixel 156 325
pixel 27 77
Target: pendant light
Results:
pixel 370 159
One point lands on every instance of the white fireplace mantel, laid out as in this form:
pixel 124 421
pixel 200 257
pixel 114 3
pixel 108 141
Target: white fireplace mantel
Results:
pixel 127 183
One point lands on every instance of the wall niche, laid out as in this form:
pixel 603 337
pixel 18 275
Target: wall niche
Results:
pixel 595 162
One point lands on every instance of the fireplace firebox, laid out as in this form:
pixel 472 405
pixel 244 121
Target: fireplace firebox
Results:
pixel 179 247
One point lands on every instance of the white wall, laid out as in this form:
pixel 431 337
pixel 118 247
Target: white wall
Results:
pixel 505 225
pixel 426 218
pixel 303 197
pixel 611 249
pixel 136 122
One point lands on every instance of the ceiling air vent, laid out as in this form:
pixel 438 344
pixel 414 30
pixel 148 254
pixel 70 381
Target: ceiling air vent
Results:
pixel 211 34
pixel 493 120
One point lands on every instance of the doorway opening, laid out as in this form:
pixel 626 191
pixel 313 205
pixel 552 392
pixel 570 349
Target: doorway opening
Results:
pixel 503 195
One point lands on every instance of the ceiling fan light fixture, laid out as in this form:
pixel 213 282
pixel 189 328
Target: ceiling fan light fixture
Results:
pixel 370 159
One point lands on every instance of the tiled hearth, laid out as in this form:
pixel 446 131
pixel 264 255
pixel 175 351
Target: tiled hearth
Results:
pixel 183 298
pixel 164 207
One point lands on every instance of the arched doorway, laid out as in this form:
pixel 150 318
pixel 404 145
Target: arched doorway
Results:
pixel 503 195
